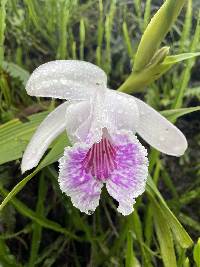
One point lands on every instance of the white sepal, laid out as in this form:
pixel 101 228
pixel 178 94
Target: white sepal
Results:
pixel 49 129
pixel 66 79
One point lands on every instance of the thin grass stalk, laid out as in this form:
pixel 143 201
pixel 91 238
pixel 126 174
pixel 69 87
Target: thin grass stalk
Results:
pixel 74 50
pixel 108 30
pixel 127 40
pixel 27 212
pixel 37 229
pixel 164 236
pixel 138 11
pixel 147 14
pixel 130 260
pixel 5 89
pixel 51 6
pixel 33 13
pixel 82 38
pixel 2 29
pixel 63 22
pixel 100 32
pixel 187 71
pixel 186 28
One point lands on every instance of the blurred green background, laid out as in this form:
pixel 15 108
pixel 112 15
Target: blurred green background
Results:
pixel 40 227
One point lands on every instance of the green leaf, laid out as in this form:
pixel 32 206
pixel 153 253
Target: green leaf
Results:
pixel 185 77
pixel 192 92
pixel 51 157
pixel 156 32
pixel 186 263
pixel 174 114
pixel 82 38
pixel 177 229
pixel 14 136
pixel 164 236
pixel 137 81
pixel 186 27
pixel 171 60
pixel 6 258
pixel 25 211
pixel 2 29
pixel 127 40
pixel 196 253
pixel 17 188
pixel 16 71
pixel 130 259
pixel 37 229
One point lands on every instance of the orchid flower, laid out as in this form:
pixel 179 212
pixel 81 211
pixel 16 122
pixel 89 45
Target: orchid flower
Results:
pixel 101 125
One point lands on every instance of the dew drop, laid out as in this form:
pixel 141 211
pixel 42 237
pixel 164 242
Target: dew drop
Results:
pixel 90 212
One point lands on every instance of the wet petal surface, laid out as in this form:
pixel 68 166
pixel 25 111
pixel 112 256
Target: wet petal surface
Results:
pixel 128 180
pixel 76 183
pixel 66 79
pixel 119 161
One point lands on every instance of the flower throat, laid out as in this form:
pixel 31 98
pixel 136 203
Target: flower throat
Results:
pixel 100 158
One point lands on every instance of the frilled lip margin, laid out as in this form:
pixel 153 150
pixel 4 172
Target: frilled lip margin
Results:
pixel 123 168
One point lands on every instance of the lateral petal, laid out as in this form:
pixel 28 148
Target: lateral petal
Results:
pixel 159 132
pixel 85 120
pixel 120 112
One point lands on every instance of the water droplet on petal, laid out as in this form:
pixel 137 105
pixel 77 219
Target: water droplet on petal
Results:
pixel 90 212
pixel 162 138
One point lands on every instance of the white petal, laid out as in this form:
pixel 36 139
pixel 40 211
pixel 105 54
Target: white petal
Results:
pixel 120 112
pixel 66 79
pixel 85 120
pixel 78 121
pixel 159 132
pixel 49 129
pixel 112 110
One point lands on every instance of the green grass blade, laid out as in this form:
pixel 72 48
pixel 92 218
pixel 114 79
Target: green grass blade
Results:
pixel 100 32
pixel 25 211
pixel 63 22
pixel 179 232
pixel 155 33
pixel 6 258
pixel 2 29
pixel 130 258
pixel 186 27
pixel 16 71
pixel 37 229
pixel 187 72
pixel 174 114
pixel 54 154
pixel 33 13
pixel 108 33
pixel 137 81
pixel 138 11
pixel 127 40
pixel 82 38
pixel 164 236
pixel 147 13
pixel 196 253
pixel 14 136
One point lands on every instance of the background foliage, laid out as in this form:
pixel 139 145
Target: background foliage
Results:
pixel 39 226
